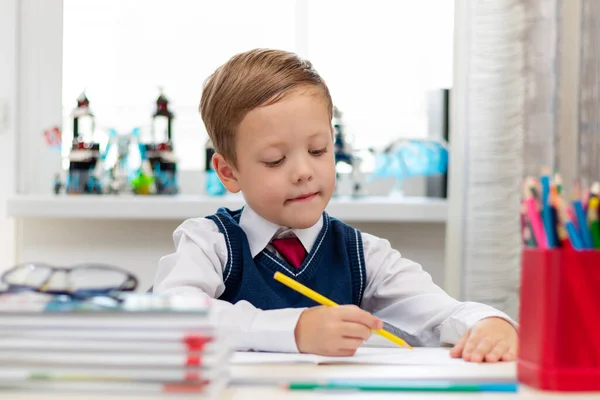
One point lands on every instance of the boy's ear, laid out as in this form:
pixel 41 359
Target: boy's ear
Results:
pixel 226 173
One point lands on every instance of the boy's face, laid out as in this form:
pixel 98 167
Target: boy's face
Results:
pixel 285 161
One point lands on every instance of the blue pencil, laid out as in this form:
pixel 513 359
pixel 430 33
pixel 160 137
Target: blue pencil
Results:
pixel 547 219
pixel 586 235
pixel 545 182
pixel 576 241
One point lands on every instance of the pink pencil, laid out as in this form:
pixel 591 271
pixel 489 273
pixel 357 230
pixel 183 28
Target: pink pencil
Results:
pixel 572 216
pixel 536 223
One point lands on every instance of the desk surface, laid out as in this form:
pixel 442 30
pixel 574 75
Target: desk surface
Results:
pixel 247 379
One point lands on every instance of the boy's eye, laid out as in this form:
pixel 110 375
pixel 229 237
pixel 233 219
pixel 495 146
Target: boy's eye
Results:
pixel 274 163
pixel 318 152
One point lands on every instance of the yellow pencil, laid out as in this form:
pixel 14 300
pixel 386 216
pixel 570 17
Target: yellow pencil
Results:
pixel 324 301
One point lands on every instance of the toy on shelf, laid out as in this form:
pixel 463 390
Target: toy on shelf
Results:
pixel 159 150
pixel 212 183
pixel 84 168
pixel 123 163
pixel 121 160
pixel 406 158
pixel 143 181
pixel 344 155
pixel 57 184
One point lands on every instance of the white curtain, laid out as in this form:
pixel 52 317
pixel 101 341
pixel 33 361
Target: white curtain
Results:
pixel 527 95
pixel 508 120
pixel 589 93
pixel 496 98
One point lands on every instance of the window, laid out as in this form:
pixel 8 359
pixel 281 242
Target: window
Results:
pixel 122 51
pixel 378 56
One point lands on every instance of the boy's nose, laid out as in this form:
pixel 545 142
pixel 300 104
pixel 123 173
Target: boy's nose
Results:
pixel 302 172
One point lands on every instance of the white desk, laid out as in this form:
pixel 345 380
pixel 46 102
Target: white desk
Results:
pixel 261 376
pixel 270 374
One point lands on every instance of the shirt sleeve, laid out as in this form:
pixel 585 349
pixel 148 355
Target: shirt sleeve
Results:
pixel 402 294
pixel 196 267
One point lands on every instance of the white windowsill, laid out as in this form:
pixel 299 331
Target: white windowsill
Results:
pixel 367 209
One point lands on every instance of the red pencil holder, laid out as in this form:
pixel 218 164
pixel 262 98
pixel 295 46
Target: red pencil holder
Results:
pixel 559 333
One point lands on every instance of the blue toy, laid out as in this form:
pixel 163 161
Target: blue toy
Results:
pixel 407 158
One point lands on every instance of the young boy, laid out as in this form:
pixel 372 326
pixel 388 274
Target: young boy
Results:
pixel 269 116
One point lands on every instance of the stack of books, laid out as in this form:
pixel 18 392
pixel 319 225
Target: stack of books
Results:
pixel 137 343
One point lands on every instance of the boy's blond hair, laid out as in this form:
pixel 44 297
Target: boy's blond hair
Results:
pixel 249 80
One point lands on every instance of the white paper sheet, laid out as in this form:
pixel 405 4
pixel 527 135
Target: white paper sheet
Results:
pixel 364 355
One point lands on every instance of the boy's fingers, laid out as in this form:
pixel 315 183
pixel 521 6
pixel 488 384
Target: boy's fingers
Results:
pixel 509 356
pixel 497 352
pixel 345 353
pixel 470 346
pixel 350 345
pixel 458 348
pixel 356 331
pixel 483 348
pixel 355 314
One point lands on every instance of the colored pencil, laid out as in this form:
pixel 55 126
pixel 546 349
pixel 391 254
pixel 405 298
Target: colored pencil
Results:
pixel 548 225
pixel 593 220
pixel 582 222
pixel 563 217
pixel 536 223
pixel 595 192
pixel 404 386
pixel 561 231
pixel 311 294
pixel 558 183
pixel 527 230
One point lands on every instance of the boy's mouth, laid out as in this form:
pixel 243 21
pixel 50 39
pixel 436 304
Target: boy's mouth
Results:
pixel 303 197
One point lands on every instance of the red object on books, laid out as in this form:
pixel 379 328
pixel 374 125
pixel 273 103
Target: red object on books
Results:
pixel 192 376
pixel 193 360
pixel 185 387
pixel 196 343
pixel 559 335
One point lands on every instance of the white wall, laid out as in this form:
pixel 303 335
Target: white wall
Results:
pixel 39 96
pixel 138 245
pixel 8 125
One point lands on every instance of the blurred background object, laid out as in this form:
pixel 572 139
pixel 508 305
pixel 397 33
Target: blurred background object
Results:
pixel 379 75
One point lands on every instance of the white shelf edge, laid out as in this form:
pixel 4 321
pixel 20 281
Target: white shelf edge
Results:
pixel 368 209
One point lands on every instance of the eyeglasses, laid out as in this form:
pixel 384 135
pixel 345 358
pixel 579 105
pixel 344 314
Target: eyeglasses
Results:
pixel 79 281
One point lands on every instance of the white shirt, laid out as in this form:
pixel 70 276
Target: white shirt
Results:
pixel 397 290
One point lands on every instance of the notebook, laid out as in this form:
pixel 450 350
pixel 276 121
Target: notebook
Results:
pixel 141 310
pixel 76 345
pixel 364 355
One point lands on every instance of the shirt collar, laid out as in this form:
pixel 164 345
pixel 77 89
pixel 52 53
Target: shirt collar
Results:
pixel 259 231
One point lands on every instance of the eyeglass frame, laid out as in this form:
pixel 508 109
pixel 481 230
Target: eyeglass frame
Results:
pixel 129 285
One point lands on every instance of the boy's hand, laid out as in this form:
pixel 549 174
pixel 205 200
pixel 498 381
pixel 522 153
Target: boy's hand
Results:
pixel 491 340
pixel 334 331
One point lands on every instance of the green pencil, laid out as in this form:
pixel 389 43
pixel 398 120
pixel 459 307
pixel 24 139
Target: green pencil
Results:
pixel 405 386
pixel 593 220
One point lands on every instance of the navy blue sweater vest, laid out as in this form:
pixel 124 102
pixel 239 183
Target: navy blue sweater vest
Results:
pixel 334 268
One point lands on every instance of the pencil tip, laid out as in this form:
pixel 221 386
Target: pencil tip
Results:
pixel 545 170
pixel 557 179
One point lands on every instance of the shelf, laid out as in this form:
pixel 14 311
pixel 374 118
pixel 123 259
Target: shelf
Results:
pixel 367 209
